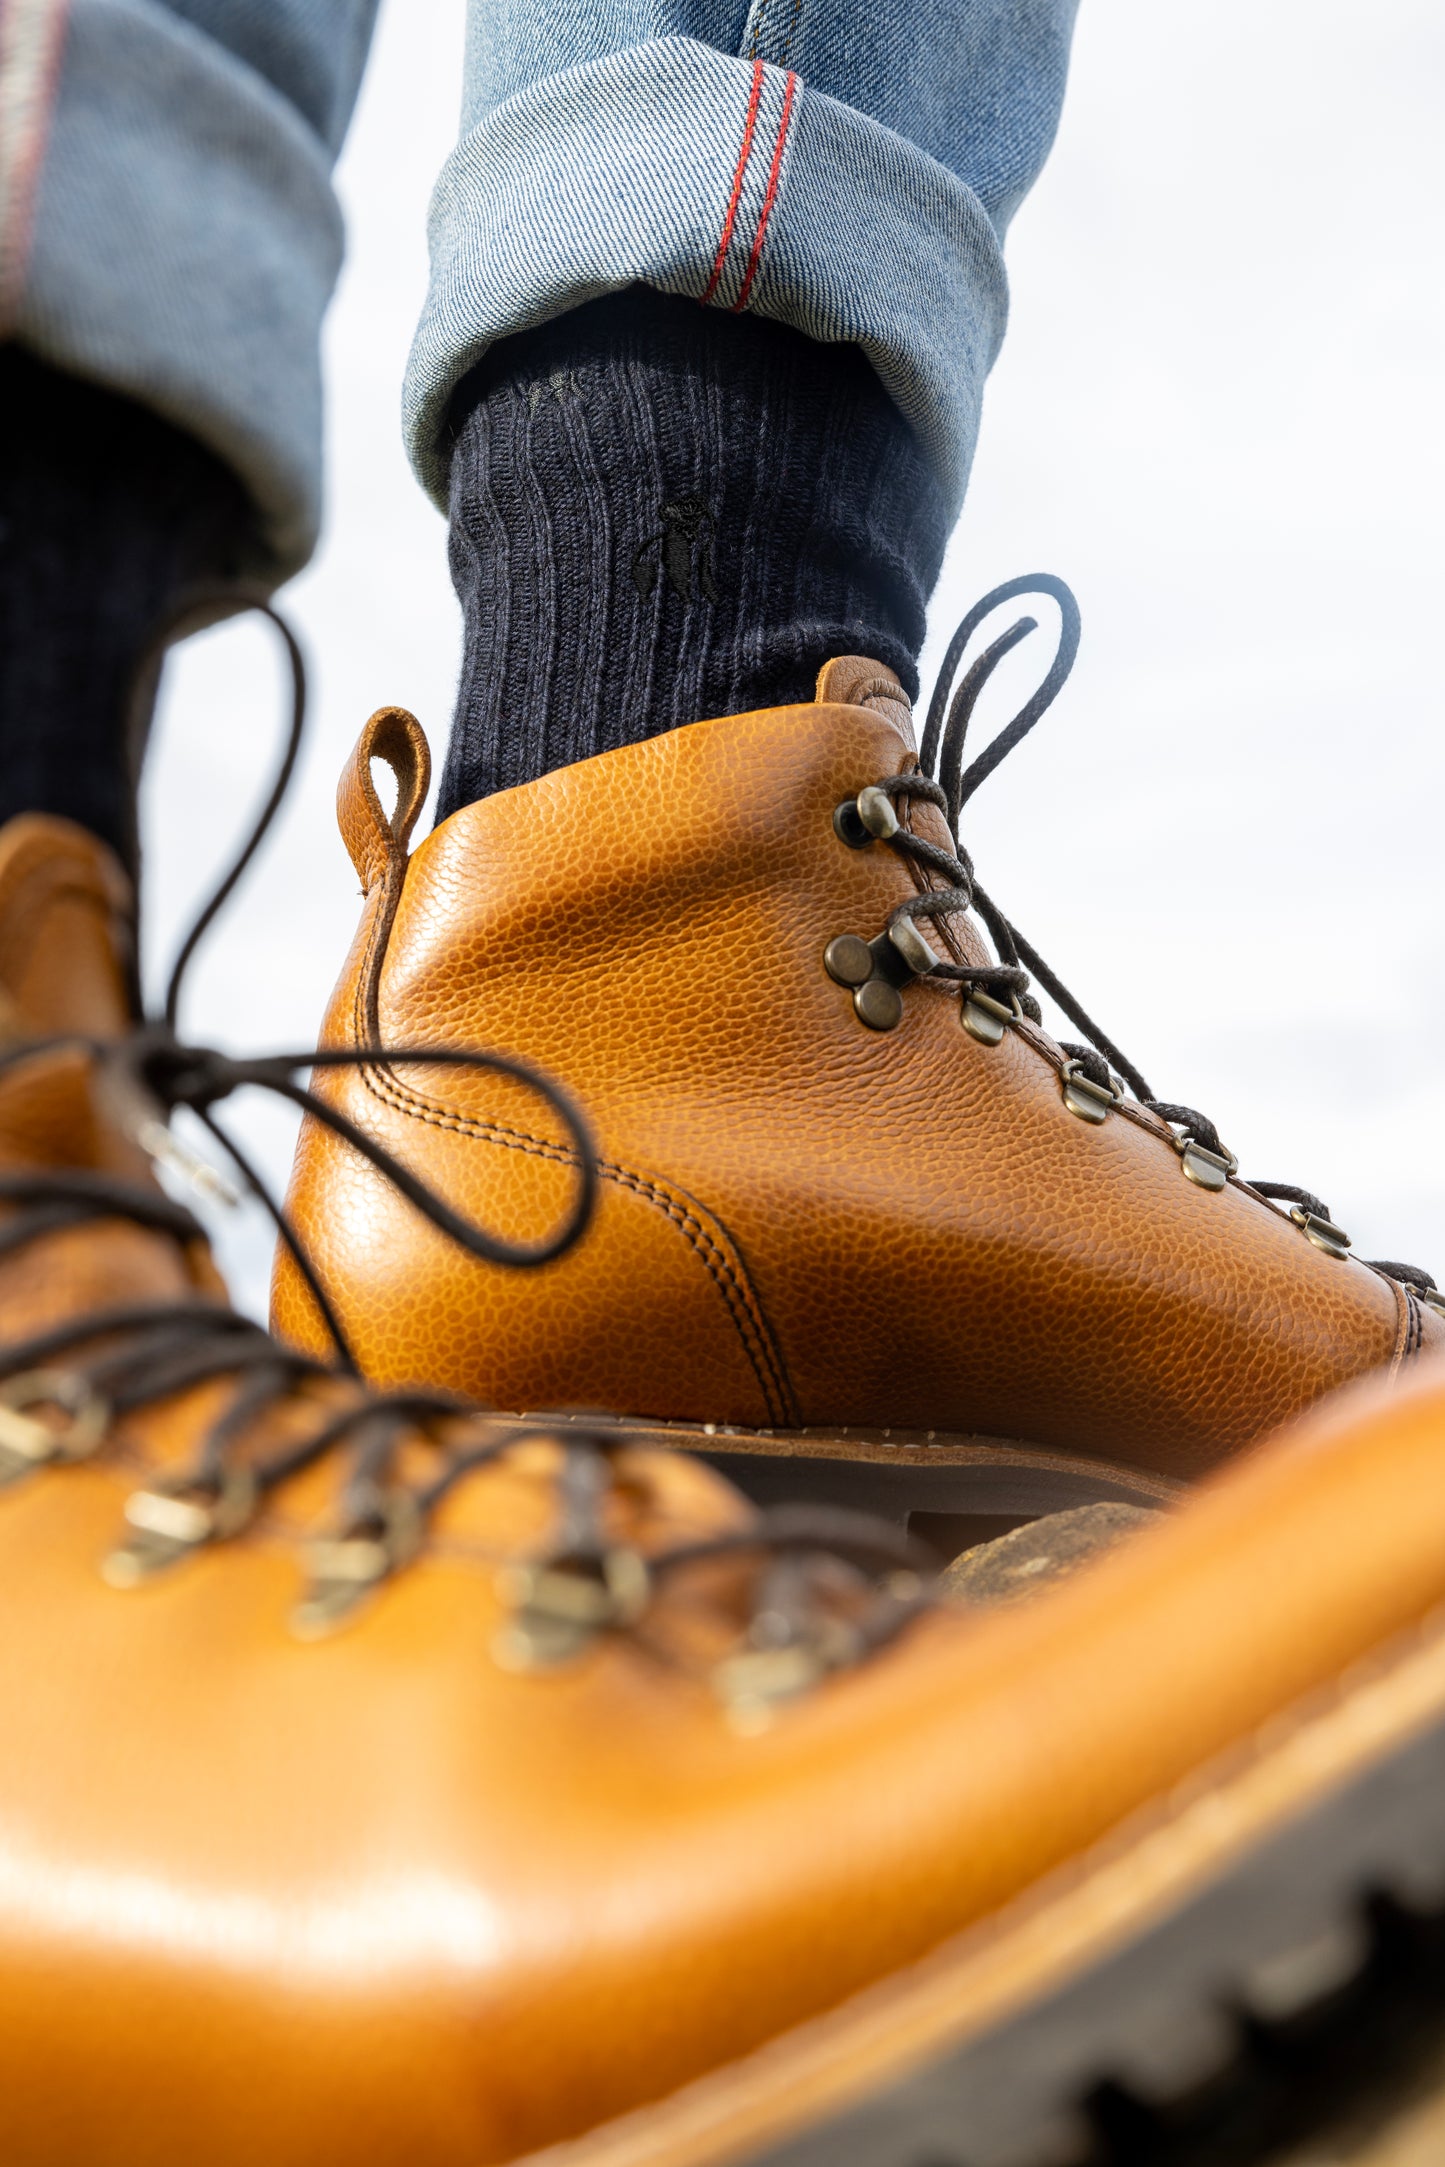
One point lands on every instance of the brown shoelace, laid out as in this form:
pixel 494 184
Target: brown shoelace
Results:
pixel 942 781
pixel 825 1588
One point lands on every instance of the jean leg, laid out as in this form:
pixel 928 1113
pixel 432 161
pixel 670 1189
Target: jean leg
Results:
pixel 843 168
pixel 168 225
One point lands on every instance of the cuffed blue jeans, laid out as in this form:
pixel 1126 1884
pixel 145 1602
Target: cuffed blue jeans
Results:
pixel 168 225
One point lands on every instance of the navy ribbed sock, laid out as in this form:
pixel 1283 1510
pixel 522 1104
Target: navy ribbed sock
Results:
pixel 661 512
pixel 107 514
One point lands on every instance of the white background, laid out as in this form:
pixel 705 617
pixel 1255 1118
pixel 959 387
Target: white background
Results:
pixel 1217 415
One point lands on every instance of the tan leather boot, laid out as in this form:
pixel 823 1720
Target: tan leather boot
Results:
pixel 611 1823
pixel 65 967
pixel 513 1867
pixel 847 1213
pixel 246 1869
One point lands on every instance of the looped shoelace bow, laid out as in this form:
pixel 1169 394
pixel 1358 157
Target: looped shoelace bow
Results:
pixel 942 781
pixel 63 1388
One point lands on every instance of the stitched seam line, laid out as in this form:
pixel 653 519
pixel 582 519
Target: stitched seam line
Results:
pixel 770 197
pixel 736 1293
pixel 39 887
pixel 749 129
pixel 1234 1761
pixel 1416 1332
pixel 370 961
pixel 713 1258
pixel 1153 1818
pixel 1099 1856
pixel 1400 1352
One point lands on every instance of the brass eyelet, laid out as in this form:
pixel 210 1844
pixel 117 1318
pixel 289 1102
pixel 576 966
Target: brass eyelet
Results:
pixel 868 818
pixel 1432 1297
pixel 755 1682
pixel 873 972
pixel 172 1518
pixel 1091 1102
pixel 848 827
pixel 1325 1235
pixel 26 1443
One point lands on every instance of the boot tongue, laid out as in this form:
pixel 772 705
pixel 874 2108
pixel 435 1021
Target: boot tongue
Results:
pixel 65 916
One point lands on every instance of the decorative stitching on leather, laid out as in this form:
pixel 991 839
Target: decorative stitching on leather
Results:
pixel 1234 1760
pixel 1400 1352
pixel 737 1294
pixel 371 962
pixel 35 885
pixel 742 1305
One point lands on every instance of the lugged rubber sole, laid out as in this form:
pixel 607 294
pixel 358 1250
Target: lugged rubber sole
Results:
pixel 892 1472
pixel 1088 2023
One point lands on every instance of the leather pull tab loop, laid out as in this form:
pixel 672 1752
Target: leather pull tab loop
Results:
pixel 854 681
pixel 376 840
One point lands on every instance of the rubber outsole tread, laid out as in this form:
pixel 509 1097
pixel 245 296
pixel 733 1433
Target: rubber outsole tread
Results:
pixel 1304 1985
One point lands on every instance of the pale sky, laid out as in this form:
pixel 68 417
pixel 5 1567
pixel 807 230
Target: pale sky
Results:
pixel 1216 415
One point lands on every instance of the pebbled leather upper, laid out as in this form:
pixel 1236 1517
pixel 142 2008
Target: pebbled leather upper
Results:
pixel 375 1898
pixel 802 1221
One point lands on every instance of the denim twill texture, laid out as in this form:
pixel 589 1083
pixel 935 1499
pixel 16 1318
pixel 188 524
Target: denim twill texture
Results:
pixel 845 169
pixel 184 238
pixel 168 226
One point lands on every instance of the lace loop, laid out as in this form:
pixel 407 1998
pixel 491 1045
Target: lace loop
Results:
pixel 942 781
pixel 147 1075
pixel 63 1386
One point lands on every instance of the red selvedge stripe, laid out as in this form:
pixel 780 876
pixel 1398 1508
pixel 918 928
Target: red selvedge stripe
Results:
pixel 768 200
pixel 743 156
pixel 32 34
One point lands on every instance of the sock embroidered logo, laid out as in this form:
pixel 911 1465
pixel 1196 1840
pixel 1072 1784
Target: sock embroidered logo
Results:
pixel 562 383
pixel 683 548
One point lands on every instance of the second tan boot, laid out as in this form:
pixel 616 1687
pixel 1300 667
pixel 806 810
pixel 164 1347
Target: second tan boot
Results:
pixel 857 1206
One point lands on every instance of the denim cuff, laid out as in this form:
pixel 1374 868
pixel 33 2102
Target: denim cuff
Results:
pixel 184 244
pixel 676 165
